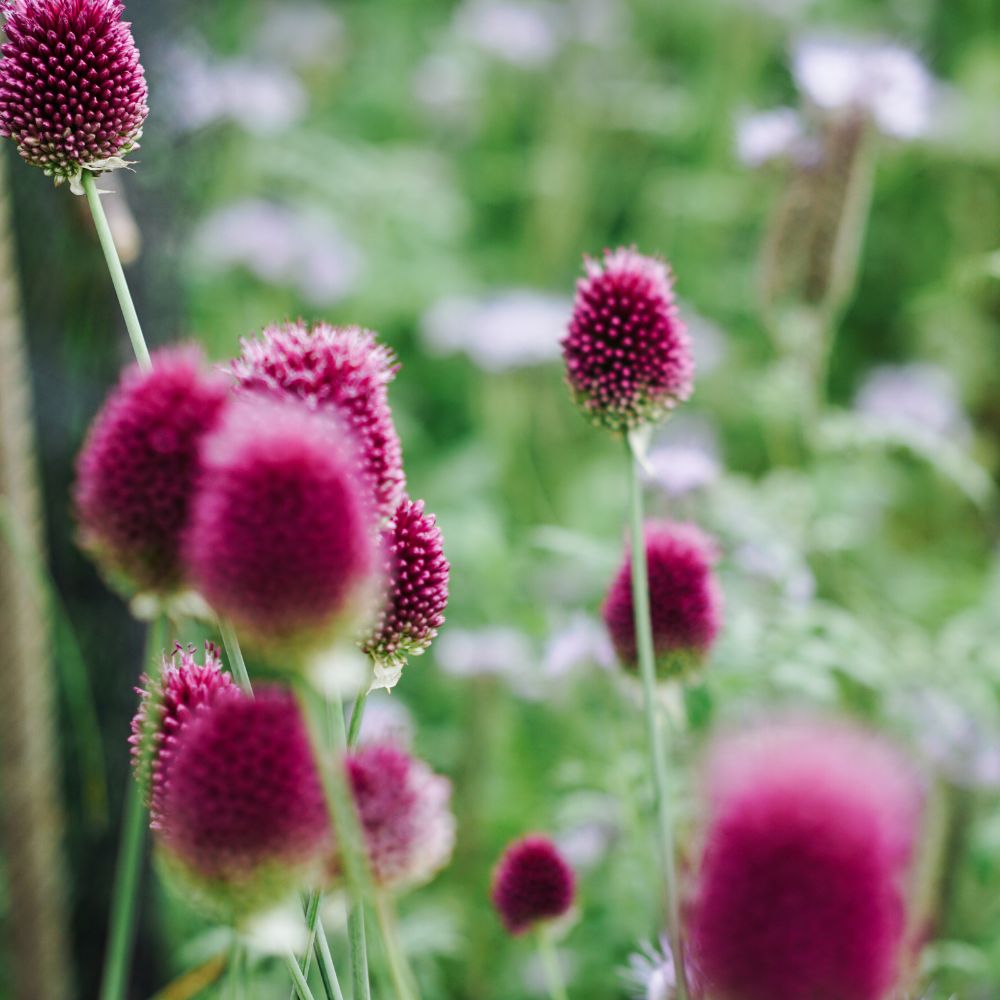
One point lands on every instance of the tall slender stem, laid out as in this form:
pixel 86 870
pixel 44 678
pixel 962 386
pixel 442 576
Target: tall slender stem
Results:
pixel 399 969
pixel 327 970
pixel 301 986
pixel 117 274
pixel 235 654
pixel 121 931
pixel 357 714
pixel 654 732
pixel 550 964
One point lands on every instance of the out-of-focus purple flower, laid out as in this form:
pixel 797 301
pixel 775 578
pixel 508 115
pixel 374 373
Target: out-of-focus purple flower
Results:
pixel 301 35
pixel 779 564
pixel 386 721
pixel 582 642
pixel 139 466
pixel 281 536
pixel 683 458
pixel 72 89
pixel 627 352
pixel 650 974
pixel 764 137
pixel 494 651
pixel 405 814
pixel 916 396
pixel 519 32
pixel 280 245
pixel 202 89
pixel 532 884
pixel 512 329
pixel 811 833
pixel 883 80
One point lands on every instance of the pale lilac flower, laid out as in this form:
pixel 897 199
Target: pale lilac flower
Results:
pixel 684 457
pixel 516 328
pixel 498 651
pixel 779 564
pixel 916 396
pixel 764 137
pixel 386 720
pixel 301 35
pixel 884 80
pixel 524 34
pixel 650 974
pixel 582 642
pixel 280 245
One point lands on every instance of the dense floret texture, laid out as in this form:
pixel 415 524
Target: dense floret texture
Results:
pixel 532 883
pixel 282 538
pixel 344 368
pixel 802 888
pixel 685 601
pixel 140 464
pixel 72 89
pixel 405 813
pixel 628 356
pixel 417 579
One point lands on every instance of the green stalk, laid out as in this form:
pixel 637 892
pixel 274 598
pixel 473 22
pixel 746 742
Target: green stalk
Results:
pixel 301 986
pixel 403 981
pixel 550 963
pixel 654 733
pixel 121 931
pixel 327 970
pixel 235 654
pixel 357 714
pixel 117 274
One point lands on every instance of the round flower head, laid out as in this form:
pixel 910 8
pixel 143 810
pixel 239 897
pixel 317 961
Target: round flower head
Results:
pixel 417 576
pixel 405 813
pixel 628 356
pixel 139 465
pixel 685 601
pixel 532 883
pixel 244 819
pixel 166 705
pixel 339 368
pixel 281 536
pixel 72 90
pixel 811 830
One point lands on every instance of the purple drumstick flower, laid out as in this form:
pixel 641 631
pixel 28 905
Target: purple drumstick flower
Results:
pixel 532 884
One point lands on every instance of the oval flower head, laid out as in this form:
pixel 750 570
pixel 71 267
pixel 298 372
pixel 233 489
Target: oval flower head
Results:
pixel 405 814
pixel 811 831
pixel 344 369
pixel 417 578
pixel 532 884
pixel 72 89
pixel 166 705
pixel 627 352
pixel 139 465
pixel 243 819
pixel 281 538
pixel 685 601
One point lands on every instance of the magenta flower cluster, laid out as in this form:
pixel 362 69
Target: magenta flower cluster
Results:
pixel 72 89
pixel 532 884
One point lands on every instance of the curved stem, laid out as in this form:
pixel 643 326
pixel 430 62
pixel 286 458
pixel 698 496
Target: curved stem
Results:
pixel 550 963
pixel 117 274
pixel 124 900
pixel 654 732
pixel 399 969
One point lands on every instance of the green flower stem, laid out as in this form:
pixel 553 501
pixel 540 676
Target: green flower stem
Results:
pixel 357 714
pixel 403 981
pixel 117 274
pixel 550 964
pixel 236 973
pixel 301 986
pixel 327 970
pixel 235 654
pixel 124 900
pixel 654 733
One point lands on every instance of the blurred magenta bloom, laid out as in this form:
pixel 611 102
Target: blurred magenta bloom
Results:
pixel 532 883
pixel 811 832
pixel 340 370
pixel 281 536
pixel 627 352
pixel 685 600
pixel 405 813
pixel 167 704
pixel 72 89
pixel 139 466
pixel 417 577
pixel 244 818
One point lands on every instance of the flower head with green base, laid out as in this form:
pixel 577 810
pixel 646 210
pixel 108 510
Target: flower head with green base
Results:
pixel 72 89
pixel 532 884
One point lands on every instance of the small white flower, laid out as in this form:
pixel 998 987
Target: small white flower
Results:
pixel 650 972
pixel 523 34
pixel 763 137
pixel 301 34
pixel 915 395
pixel 582 642
pixel 386 720
pixel 885 80
pixel 496 651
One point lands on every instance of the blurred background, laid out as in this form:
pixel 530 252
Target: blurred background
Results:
pixel 822 176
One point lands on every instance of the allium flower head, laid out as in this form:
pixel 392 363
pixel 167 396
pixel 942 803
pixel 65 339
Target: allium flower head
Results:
pixel 685 601
pixel 281 536
pixel 340 368
pixel 405 812
pixel 418 590
pixel 139 465
pixel 627 352
pixel 244 819
pixel 532 883
pixel 811 832
pixel 72 89
pixel 166 705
